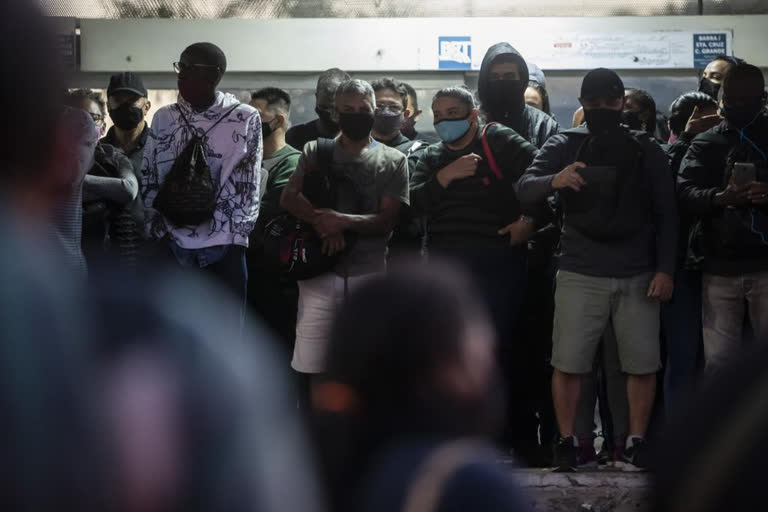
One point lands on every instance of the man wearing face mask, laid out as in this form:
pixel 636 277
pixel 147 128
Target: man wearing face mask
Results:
pixel 230 135
pixel 128 104
pixel 409 123
pixel 711 79
pixel 272 296
pixel 391 112
pixel 373 186
pixel 503 80
pixel 324 126
pixel 723 182
pixel 617 257
pixel 501 89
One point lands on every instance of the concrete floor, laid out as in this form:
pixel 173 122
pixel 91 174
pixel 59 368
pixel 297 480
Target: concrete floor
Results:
pixel 607 490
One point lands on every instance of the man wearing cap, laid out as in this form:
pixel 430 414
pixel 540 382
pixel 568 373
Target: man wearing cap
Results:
pixel 230 133
pixel 128 104
pixel 617 255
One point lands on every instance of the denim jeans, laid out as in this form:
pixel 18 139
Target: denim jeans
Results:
pixel 726 299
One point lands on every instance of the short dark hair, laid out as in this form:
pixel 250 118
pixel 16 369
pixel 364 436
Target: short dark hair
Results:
pixel 412 94
pixel 681 109
pixel 329 80
pixel 275 98
pixel 393 85
pixel 647 106
pixel 745 73
pixel 538 87
pixel 459 92
pixel 75 97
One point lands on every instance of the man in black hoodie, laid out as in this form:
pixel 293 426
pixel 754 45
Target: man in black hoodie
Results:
pixel 503 80
pixel 501 90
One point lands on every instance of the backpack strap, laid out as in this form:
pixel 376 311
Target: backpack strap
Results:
pixel 489 154
pixel 325 148
pixel 189 125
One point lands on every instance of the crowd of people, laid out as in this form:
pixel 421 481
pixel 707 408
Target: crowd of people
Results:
pixel 430 301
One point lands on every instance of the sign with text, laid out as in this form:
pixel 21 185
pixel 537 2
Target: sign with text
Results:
pixel 708 46
pixel 455 52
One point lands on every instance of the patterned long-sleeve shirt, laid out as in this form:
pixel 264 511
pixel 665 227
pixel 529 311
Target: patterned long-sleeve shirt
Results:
pixel 234 151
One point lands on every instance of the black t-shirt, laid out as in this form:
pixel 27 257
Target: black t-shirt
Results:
pixel 299 135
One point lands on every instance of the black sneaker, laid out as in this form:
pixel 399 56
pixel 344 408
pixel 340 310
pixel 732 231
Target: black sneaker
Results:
pixel 635 459
pixel 566 456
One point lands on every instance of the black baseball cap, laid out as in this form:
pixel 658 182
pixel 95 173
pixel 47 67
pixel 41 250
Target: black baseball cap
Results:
pixel 128 82
pixel 602 83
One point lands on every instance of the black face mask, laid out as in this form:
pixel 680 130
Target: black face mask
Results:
pixel 266 129
pixel 356 125
pixel 632 119
pixel 602 120
pixel 506 96
pixel 708 87
pixel 127 117
pixel 328 125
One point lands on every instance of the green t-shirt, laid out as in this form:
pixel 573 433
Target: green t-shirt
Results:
pixel 280 167
pixel 378 172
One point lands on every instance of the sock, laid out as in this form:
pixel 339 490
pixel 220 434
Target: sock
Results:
pixel 631 441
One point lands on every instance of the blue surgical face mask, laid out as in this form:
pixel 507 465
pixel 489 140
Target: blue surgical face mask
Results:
pixel 451 130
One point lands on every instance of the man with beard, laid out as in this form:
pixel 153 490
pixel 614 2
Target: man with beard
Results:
pixel 617 255
pixel 324 126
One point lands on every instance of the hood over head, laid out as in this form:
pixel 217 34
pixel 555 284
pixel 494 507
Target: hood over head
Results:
pixel 512 107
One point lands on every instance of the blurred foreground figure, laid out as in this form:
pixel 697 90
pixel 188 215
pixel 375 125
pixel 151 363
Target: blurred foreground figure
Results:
pixel 192 418
pixel 713 457
pixel 411 379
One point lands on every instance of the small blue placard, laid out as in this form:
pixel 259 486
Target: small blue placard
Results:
pixel 455 52
pixel 706 47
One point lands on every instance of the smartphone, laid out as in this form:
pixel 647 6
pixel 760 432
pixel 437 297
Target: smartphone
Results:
pixel 744 173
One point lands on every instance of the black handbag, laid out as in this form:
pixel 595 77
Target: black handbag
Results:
pixel 292 247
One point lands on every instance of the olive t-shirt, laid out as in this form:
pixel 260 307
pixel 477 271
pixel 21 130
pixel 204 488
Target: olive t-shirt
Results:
pixel 379 171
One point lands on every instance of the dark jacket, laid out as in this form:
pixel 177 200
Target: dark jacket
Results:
pixel 136 156
pixel 408 235
pixel 653 247
pixel 532 124
pixel 469 212
pixel 298 136
pixel 109 223
pixel 675 152
pixel 703 173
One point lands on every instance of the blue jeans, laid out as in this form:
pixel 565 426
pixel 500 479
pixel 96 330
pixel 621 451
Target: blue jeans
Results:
pixel 681 322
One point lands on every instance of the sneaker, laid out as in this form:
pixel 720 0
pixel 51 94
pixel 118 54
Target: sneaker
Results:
pixel 566 456
pixel 635 458
pixel 587 458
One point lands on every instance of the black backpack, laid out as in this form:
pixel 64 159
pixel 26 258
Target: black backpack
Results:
pixel 292 247
pixel 616 201
pixel 188 195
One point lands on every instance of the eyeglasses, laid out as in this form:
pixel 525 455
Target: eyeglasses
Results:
pixel 183 66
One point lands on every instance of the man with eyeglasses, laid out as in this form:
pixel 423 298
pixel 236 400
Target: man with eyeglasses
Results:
pixel 324 126
pixel 389 117
pixel 230 133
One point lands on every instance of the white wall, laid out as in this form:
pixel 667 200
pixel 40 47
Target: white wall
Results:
pixel 310 45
